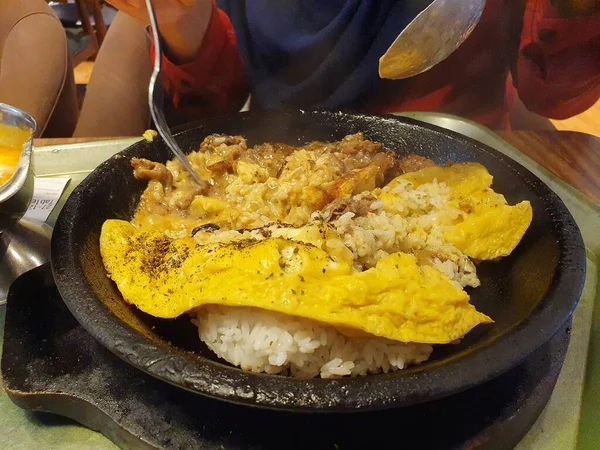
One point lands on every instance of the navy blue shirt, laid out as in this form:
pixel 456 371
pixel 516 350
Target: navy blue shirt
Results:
pixel 317 53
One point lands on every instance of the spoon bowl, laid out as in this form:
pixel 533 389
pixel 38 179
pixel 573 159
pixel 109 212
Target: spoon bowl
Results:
pixel 430 38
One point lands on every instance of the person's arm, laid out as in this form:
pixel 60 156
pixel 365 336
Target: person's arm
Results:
pixel 213 82
pixel 557 71
pixel 182 23
pixel 203 72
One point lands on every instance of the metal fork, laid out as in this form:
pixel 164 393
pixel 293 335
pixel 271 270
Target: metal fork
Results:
pixel 156 100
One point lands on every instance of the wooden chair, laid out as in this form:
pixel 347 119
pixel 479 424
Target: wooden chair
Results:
pixel 84 37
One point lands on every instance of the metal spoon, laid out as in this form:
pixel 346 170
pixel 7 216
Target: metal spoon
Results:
pixel 156 100
pixel 430 38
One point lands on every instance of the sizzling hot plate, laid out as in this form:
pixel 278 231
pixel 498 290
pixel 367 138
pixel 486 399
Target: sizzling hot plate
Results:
pixel 529 294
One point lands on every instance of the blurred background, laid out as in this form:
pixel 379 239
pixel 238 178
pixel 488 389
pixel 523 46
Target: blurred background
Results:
pixel 86 23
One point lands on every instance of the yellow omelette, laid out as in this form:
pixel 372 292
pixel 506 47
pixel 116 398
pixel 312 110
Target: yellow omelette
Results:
pixel 397 299
pixel 489 228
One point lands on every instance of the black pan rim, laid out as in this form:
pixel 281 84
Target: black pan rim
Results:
pixel 237 386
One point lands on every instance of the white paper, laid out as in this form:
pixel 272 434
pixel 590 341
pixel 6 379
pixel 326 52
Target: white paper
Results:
pixel 46 192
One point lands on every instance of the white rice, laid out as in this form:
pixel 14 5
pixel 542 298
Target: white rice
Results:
pixel 262 341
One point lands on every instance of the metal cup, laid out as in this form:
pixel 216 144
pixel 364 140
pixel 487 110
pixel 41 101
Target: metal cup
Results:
pixel 16 193
pixel 23 244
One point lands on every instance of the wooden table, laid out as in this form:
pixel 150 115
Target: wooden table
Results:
pixel 573 157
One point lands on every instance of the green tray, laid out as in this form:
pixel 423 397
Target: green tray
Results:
pixel 567 421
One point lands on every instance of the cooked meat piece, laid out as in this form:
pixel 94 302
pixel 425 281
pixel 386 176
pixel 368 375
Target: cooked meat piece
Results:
pixel 220 166
pixel 384 160
pixel 412 163
pixel 269 156
pixel 183 196
pixel 144 169
pixel 341 206
pixel 215 142
pixel 353 183
pixel 389 167
pixel 221 151
pixel 355 143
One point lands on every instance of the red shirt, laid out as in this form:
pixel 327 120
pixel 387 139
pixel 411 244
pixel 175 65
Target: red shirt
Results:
pixel 555 69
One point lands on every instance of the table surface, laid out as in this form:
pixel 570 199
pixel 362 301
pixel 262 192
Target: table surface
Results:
pixel 574 157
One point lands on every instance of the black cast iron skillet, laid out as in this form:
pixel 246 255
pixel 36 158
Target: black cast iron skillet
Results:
pixel 529 294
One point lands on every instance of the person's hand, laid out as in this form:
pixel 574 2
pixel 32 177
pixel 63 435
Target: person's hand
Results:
pixel 168 12
pixel 182 23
